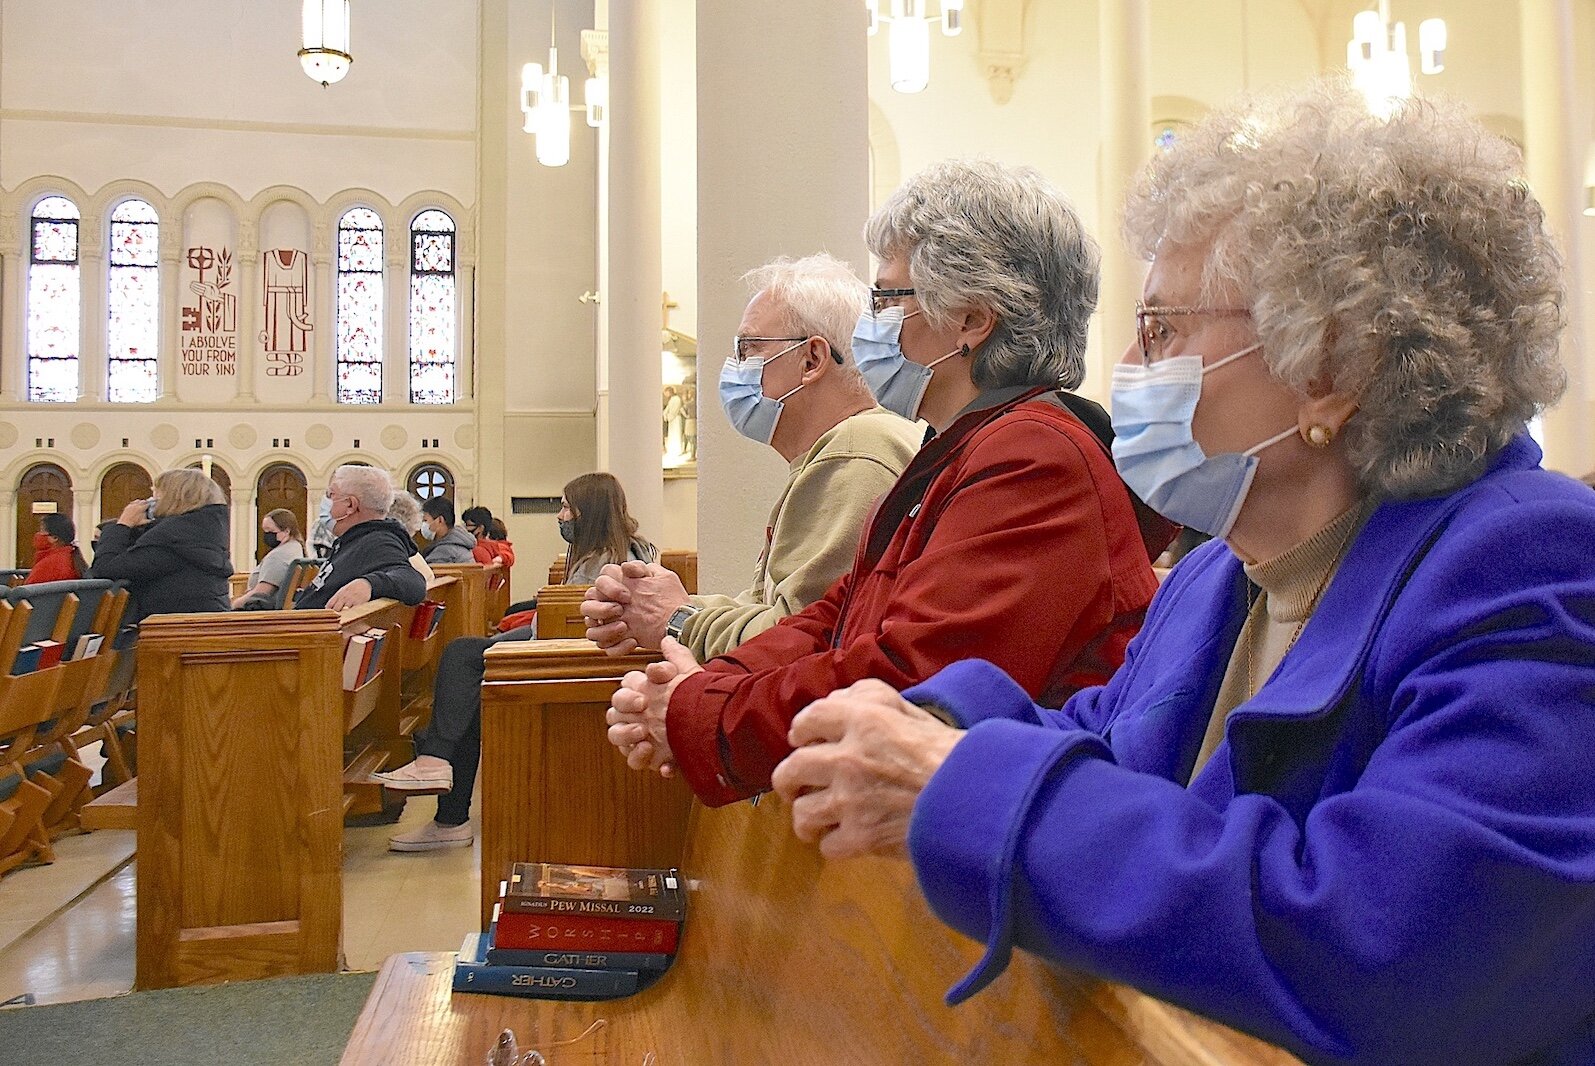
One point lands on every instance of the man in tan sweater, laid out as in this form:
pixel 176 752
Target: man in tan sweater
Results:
pixel 790 383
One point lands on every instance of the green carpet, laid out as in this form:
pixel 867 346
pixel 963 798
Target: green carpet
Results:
pixel 287 1021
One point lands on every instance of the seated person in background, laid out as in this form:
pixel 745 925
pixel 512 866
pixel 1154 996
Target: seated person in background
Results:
pixel 790 383
pixel 493 548
pixel 406 510
pixel 370 556
pixel 1009 535
pixel 594 520
pixel 55 552
pixel 450 543
pixel 170 549
pixel 321 535
pixel 281 530
pixel 1340 794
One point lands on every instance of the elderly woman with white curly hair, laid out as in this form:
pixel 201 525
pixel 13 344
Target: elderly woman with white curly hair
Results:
pixel 1008 536
pixel 1342 792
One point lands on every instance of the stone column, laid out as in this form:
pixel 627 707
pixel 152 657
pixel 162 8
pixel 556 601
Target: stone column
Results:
pixel 8 526
pixel 793 208
pixel 396 316
pixel 14 235
pixel 84 514
pixel 244 523
pixel 250 310
pixel 1553 107
pixel 323 368
pixel 491 213
pixel 631 291
pixel 171 327
pixel 1124 51
pixel 93 328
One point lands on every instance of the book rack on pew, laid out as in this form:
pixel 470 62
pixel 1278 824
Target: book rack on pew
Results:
pixel 784 957
pixel 252 753
pixel 49 709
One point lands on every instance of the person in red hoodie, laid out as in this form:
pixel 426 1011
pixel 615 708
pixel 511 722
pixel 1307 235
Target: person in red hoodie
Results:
pixel 1009 537
pixel 55 555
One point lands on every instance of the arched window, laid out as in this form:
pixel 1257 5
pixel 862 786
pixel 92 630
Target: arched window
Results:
pixel 54 293
pixel 133 304
pixel 429 480
pixel 359 307
pixel 120 486
pixel 432 308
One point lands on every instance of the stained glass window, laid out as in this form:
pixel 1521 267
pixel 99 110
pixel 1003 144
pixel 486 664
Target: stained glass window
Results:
pixel 432 308
pixel 54 294
pixel 133 304
pixel 359 307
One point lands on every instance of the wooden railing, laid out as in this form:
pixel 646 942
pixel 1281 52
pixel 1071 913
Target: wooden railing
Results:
pixel 785 957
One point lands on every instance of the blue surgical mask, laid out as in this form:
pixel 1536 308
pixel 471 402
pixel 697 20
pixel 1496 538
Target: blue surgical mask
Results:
pixel 898 382
pixel 1156 452
pixel 750 411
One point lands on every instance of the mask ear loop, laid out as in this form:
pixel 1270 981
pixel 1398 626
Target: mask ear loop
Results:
pixel 1231 358
pixel 1270 442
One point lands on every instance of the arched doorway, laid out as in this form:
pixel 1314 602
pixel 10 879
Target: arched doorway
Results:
pixel 43 483
pixel 279 485
pixel 120 486
pixel 429 480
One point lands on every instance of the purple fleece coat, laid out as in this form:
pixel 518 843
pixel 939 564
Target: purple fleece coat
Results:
pixel 1391 857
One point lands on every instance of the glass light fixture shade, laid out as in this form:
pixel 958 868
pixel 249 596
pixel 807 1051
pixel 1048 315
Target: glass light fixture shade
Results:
pixel 872 10
pixel 952 17
pixel 595 94
pixel 325 55
pixel 909 49
pixel 1431 45
pixel 553 134
pixel 1368 29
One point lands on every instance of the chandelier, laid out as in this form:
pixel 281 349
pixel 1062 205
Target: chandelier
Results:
pixel 908 37
pixel 325 55
pixel 545 104
pixel 1377 56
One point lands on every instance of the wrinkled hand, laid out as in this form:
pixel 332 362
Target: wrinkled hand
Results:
pixel 353 594
pixel 636 714
pixel 628 606
pixel 134 514
pixel 862 756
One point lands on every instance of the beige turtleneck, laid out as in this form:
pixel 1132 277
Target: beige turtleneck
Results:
pixel 1291 586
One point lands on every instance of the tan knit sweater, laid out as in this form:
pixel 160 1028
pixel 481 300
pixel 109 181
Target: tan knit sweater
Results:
pixel 1291 586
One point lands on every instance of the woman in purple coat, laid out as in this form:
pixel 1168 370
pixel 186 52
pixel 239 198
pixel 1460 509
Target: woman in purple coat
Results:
pixel 1341 794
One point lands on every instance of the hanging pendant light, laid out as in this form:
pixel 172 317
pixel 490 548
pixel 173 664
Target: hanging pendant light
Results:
pixel 908 37
pixel 325 56
pixel 545 105
pixel 1378 60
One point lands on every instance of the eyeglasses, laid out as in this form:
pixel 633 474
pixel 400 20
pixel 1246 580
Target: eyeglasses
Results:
pixel 740 347
pixel 1152 332
pixel 881 299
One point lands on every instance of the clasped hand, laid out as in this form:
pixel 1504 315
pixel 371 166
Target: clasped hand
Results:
pixel 637 711
pixel 628 606
pixel 861 757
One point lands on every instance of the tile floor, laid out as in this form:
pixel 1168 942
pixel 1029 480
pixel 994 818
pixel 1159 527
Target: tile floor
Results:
pixel 67 930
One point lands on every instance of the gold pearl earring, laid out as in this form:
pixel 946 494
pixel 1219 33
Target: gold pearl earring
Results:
pixel 1320 436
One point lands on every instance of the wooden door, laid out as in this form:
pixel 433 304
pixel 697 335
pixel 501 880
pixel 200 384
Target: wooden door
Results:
pixel 279 485
pixel 218 474
pixel 43 483
pixel 121 485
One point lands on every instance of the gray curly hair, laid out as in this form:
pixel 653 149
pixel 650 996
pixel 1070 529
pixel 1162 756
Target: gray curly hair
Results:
pixel 1404 261
pixel 819 295
pixel 405 509
pixel 977 233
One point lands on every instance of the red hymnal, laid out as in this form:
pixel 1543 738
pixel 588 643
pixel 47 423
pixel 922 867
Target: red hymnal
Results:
pixel 581 932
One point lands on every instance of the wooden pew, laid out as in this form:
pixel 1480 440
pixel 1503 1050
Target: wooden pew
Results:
pixel 475 607
pixel 252 754
pixel 682 561
pixel 559 615
pixel 785 958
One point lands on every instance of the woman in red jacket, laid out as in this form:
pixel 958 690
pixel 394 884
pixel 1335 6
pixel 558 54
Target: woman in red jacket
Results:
pixel 1009 537
pixel 55 555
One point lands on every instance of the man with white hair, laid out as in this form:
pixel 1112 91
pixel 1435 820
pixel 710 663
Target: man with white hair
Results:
pixel 371 556
pixel 790 383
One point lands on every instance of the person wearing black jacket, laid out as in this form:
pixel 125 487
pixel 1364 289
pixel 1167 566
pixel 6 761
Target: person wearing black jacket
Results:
pixel 171 549
pixel 371 556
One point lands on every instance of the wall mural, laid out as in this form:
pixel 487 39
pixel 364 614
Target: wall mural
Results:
pixel 285 282
pixel 209 344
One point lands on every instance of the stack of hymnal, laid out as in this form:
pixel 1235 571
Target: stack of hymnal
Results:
pixel 40 655
pixel 362 657
pixel 575 932
pixel 424 622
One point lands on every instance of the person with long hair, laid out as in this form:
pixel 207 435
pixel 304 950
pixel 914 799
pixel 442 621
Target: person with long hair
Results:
pixel 281 530
pixel 170 549
pixel 55 552
pixel 594 521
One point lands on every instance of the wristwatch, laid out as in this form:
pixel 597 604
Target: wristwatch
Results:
pixel 678 620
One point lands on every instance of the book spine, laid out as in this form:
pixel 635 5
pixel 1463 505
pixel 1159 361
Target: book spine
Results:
pixel 576 960
pixel 544 982
pixel 586 934
pixel 667 911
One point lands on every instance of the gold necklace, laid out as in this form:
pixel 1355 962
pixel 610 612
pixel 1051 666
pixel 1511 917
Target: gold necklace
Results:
pixel 1312 605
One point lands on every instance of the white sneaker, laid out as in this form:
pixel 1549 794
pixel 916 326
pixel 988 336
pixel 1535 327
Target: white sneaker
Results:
pixel 409 778
pixel 432 837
